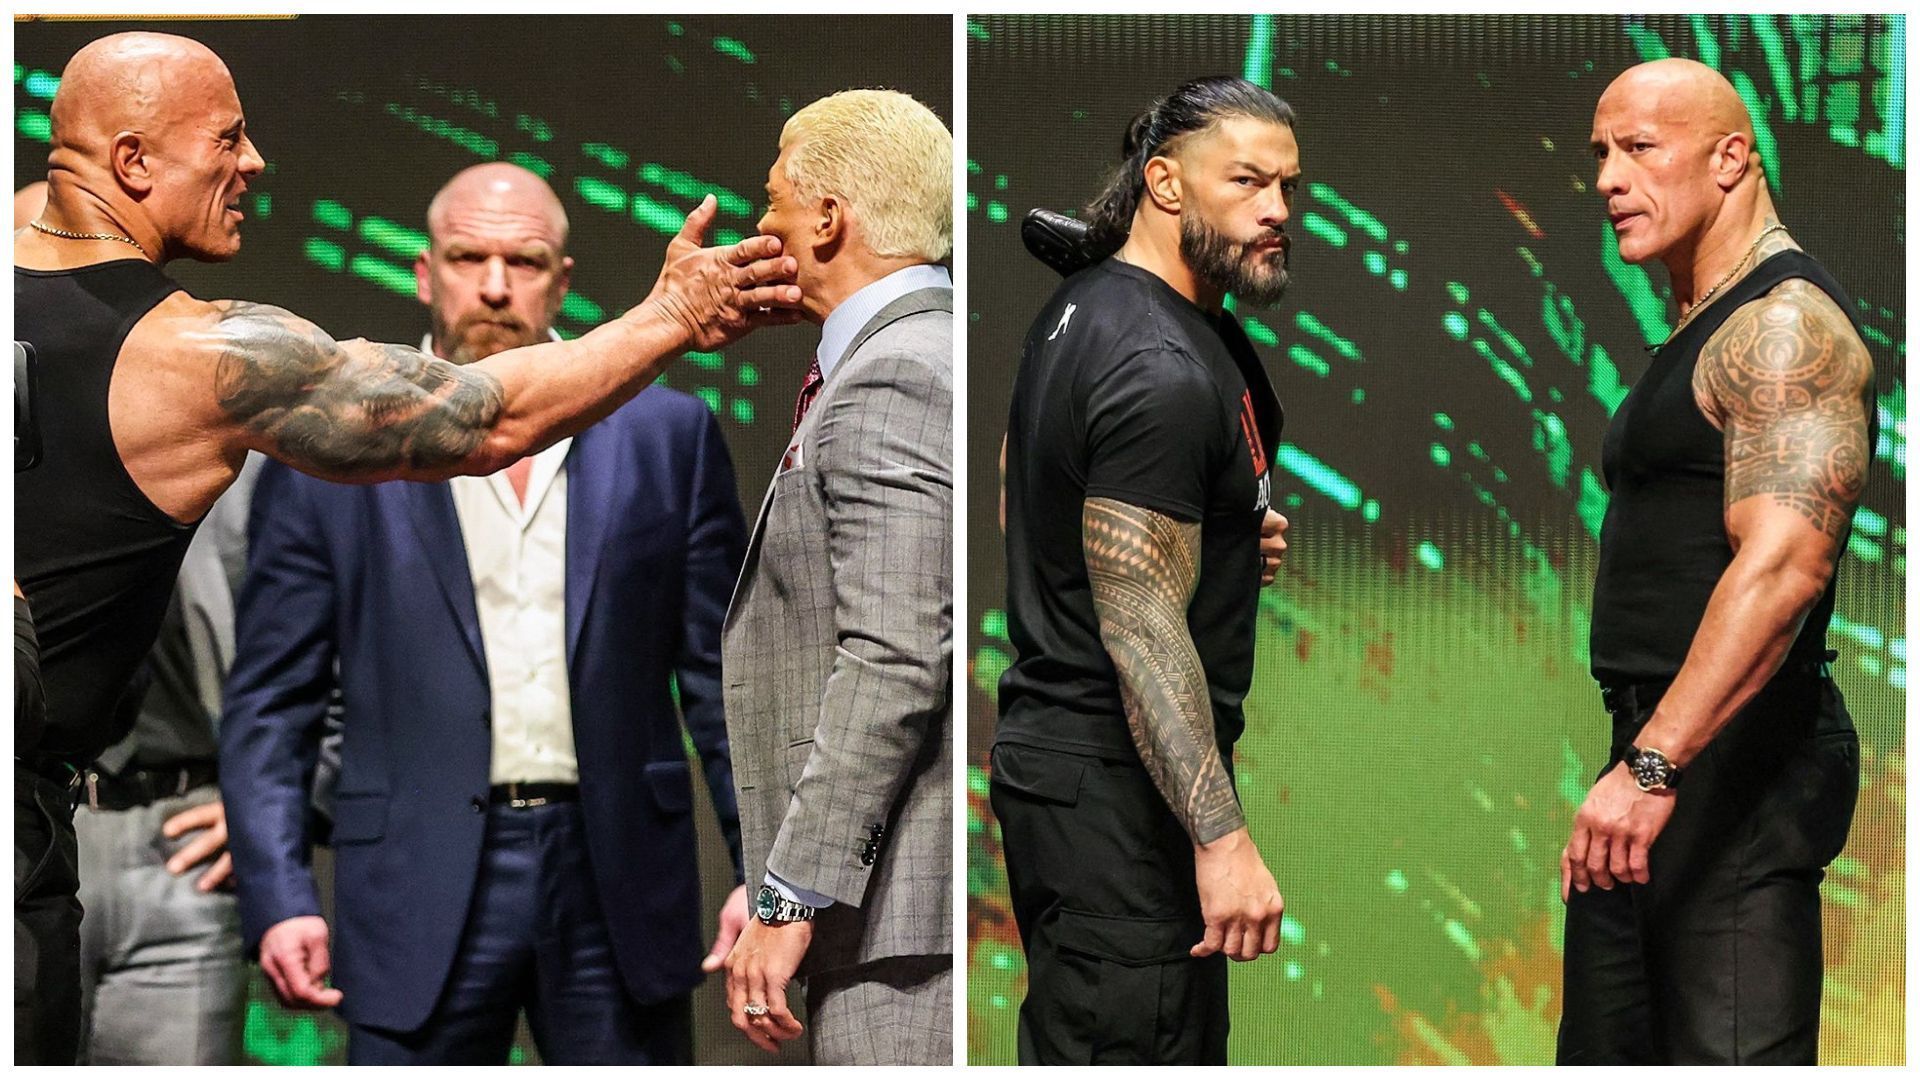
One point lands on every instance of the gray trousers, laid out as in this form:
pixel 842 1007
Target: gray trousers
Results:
pixel 161 975
pixel 897 1011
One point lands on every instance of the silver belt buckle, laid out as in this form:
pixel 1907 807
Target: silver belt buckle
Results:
pixel 518 802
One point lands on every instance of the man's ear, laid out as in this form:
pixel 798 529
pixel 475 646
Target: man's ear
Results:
pixel 1731 161
pixel 1163 183
pixel 830 226
pixel 423 278
pixel 563 279
pixel 127 154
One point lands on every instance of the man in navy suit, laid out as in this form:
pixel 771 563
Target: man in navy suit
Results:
pixel 512 825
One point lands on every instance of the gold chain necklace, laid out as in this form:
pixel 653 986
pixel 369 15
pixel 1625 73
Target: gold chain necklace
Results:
pixel 1701 303
pixel 51 231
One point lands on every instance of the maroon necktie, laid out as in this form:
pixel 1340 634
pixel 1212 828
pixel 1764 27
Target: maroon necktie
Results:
pixel 809 390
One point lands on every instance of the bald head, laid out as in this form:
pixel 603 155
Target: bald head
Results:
pixel 149 142
pixel 1684 94
pixel 498 190
pixel 497 271
pixel 137 81
pixel 1675 149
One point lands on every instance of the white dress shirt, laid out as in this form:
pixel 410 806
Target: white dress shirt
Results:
pixel 517 558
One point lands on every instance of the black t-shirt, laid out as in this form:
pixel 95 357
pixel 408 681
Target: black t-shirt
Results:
pixel 1128 391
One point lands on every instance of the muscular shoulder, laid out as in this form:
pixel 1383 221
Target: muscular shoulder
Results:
pixel 1791 350
pixel 1789 384
pixel 171 335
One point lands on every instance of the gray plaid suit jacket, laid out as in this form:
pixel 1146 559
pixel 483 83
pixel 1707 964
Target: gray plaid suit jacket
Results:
pixel 838 649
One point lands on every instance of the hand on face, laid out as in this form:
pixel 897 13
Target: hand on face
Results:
pixel 719 295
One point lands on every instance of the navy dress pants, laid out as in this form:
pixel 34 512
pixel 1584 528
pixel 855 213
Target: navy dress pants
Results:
pixel 537 940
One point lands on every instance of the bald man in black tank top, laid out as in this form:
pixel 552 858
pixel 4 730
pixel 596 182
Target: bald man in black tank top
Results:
pixel 152 398
pixel 1734 465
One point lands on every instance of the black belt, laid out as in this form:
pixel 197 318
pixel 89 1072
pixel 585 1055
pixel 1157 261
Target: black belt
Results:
pixel 1632 697
pixel 522 796
pixel 144 787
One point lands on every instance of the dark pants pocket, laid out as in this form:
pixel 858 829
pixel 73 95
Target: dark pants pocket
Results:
pixel 1101 879
pixel 1122 990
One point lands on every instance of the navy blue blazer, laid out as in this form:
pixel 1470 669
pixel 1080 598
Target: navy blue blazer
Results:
pixel 376 577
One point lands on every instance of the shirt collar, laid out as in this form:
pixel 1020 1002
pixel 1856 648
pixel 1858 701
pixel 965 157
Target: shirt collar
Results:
pixel 846 320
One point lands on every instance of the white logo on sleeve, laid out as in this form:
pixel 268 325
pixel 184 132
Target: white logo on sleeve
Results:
pixel 1065 318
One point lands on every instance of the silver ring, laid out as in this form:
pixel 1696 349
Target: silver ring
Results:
pixel 755 1009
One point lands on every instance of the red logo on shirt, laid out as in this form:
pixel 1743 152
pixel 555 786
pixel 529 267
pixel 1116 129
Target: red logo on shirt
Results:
pixel 1251 428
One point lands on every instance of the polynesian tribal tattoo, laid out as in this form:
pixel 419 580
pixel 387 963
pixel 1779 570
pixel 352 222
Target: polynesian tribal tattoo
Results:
pixel 1142 568
pixel 348 409
pixel 1789 383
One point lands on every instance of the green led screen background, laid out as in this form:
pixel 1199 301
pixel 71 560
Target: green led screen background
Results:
pixel 631 119
pixel 1421 724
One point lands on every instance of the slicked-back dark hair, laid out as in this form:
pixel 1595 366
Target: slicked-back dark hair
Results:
pixel 1192 107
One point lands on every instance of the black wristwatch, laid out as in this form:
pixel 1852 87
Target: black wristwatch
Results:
pixel 1651 770
pixel 773 909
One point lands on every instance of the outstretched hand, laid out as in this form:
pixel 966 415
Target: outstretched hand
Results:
pixel 719 295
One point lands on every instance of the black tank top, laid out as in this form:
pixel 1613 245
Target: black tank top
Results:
pixel 95 557
pixel 1664 545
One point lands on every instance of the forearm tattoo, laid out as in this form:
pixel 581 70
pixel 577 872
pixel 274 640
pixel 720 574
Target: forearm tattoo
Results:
pixel 1142 567
pixel 1790 384
pixel 352 409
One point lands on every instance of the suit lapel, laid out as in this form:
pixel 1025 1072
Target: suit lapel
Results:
pixel 753 550
pixel 913 303
pixel 590 503
pixel 434 519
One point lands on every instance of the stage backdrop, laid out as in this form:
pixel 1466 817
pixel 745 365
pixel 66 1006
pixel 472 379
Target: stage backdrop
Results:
pixel 631 120
pixel 1422 725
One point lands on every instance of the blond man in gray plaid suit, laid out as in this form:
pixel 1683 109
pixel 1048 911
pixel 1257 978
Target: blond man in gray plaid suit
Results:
pixel 839 645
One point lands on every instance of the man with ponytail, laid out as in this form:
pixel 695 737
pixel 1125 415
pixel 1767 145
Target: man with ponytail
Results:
pixel 1138 534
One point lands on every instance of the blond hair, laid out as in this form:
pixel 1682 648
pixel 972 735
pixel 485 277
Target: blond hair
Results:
pixel 889 157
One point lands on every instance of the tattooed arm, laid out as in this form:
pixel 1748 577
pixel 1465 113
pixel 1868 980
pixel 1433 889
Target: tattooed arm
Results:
pixel 352 410
pixel 359 411
pixel 1142 567
pixel 1789 384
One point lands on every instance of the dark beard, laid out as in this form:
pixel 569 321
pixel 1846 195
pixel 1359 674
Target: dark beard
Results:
pixel 1232 266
